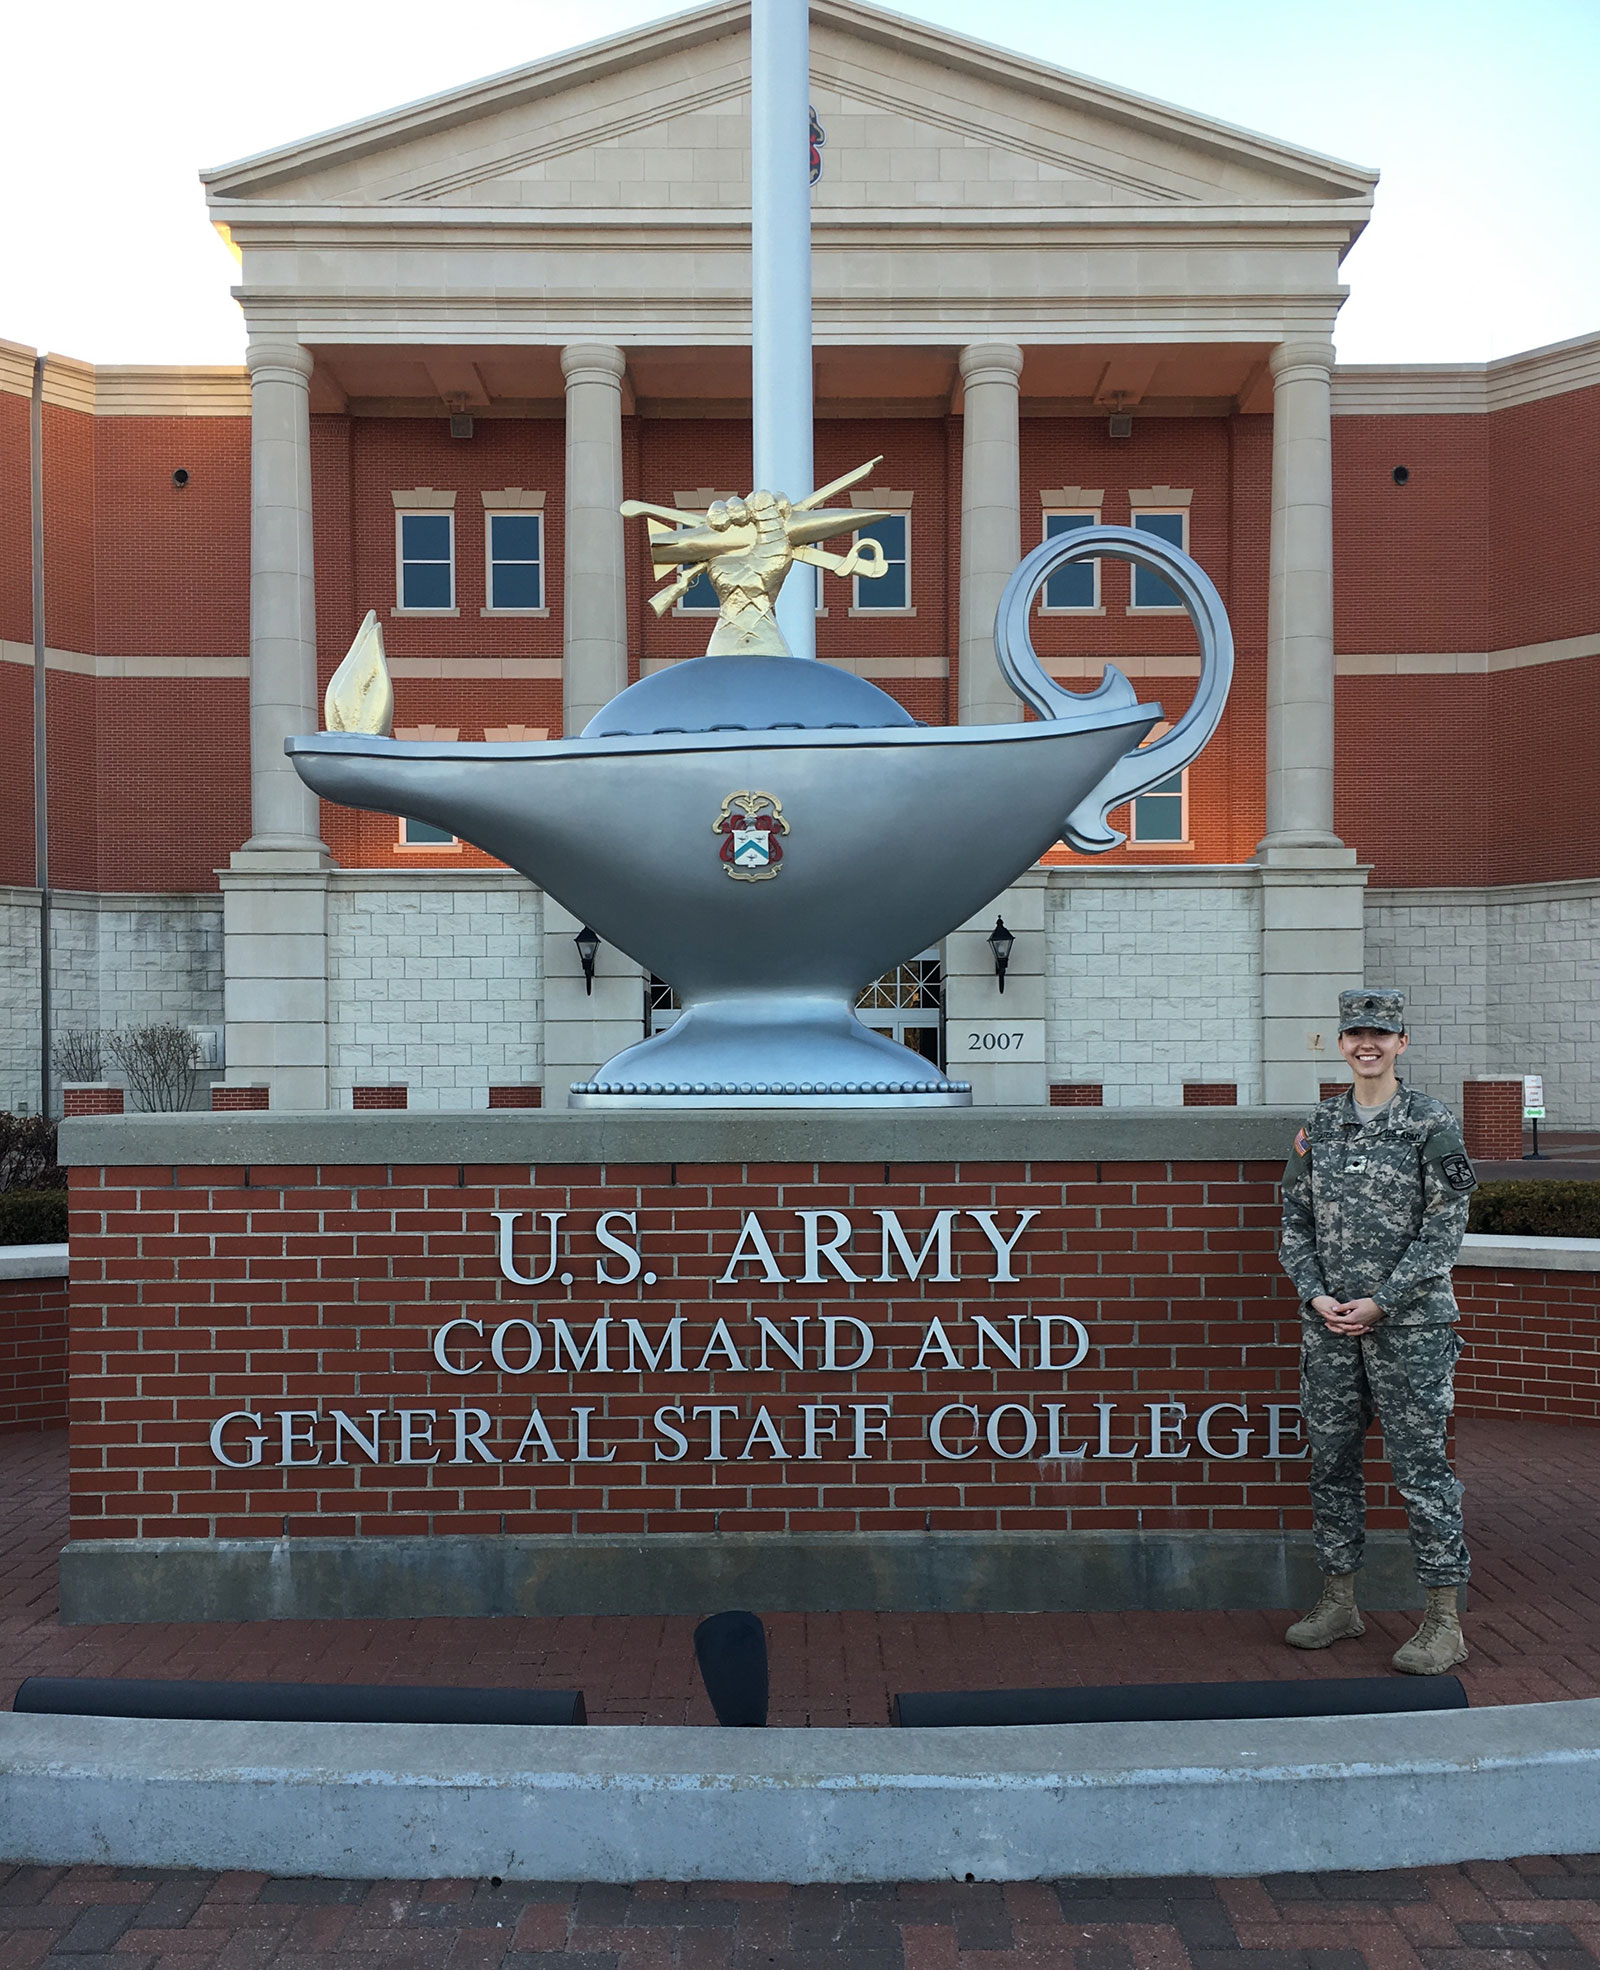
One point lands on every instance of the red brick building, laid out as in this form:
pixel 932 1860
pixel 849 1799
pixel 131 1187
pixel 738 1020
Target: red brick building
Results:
pixel 439 300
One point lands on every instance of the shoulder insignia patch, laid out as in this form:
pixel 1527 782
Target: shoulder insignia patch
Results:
pixel 1302 1144
pixel 1458 1172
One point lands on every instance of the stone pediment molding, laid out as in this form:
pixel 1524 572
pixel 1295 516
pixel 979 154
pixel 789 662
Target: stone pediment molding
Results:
pixel 916 117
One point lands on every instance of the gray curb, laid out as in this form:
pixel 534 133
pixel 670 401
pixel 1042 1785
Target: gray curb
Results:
pixel 639 1804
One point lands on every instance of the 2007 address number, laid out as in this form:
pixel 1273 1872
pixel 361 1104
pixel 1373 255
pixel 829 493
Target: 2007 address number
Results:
pixel 996 1040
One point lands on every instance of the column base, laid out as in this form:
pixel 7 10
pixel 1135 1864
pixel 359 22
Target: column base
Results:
pixel 1312 948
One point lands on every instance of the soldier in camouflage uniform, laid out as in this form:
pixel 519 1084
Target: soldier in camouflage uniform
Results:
pixel 1375 1200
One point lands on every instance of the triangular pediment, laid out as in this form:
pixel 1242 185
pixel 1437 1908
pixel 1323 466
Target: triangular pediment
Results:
pixel 915 119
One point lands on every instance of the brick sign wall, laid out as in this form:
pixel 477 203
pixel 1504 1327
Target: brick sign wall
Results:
pixel 388 1350
pixel 33 1355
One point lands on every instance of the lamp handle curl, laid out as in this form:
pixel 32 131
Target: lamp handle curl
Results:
pixel 1086 828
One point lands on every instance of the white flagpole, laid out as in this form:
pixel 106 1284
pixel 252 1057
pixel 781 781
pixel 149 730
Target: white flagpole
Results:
pixel 780 276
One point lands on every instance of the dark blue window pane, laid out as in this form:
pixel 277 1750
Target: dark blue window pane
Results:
pixel 1158 816
pixel 425 561
pixel 514 536
pixel 423 833
pixel 425 537
pixel 891 590
pixel 1150 591
pixel 516 585
pixel 699 594
pixel 426 585
pixel 1069 588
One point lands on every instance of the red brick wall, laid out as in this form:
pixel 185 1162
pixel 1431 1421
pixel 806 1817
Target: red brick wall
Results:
pixel 200 1292
pixel 1533 1345
pixel 1480 549
pixel 33 1355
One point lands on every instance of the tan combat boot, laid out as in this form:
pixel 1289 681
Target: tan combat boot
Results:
pixel 1437 1645
pixel 1333 1618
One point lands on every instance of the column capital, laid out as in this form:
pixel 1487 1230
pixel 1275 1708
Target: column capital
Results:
pixel 1311 354
pixel 593 362
pixel 990 362
pixel 292 358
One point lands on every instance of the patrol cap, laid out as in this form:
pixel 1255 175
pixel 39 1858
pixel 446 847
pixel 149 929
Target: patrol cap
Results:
pixel 1383 1008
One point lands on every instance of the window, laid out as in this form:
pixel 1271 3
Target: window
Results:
pixel 513 542
pixel 1077 586
pixel 423 834
pixel 893 589
pixel 699 594
pixel 1150 591
pixel 1160 818
pixel 426 547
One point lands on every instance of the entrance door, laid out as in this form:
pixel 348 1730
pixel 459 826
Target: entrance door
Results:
pixel 908 1005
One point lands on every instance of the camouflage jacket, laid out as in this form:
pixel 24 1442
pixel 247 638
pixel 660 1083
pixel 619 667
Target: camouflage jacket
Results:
pixel 1377 1210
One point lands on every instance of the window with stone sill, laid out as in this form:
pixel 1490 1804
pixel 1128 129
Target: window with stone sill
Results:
pixel 423 834
pixel 514 545
pixel 1160 818
pixel 1076 587
pixel 1170 523
pixel 890 591
pixel 425 555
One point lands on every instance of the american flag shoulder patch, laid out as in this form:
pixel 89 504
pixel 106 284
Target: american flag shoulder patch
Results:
pixel 1302 1143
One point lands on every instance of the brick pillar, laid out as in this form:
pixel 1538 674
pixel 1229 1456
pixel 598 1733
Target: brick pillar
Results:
pixel 1326 1090
pixel 1077 1094
pixel 1491 1120
pixel 237 1098
pixel 388 1096
pixel 518 1095
pixel 91 1098
pixel 1211 1094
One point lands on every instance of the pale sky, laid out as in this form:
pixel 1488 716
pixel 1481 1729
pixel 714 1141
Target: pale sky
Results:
pixel 1481 116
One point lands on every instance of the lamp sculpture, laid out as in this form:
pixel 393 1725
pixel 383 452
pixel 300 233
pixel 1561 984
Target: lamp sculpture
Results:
pixel 769 834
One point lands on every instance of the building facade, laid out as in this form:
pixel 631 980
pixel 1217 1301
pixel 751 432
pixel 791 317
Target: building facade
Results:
pixel 479 323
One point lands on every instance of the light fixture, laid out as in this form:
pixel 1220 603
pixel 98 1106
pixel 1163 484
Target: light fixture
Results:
pixel 1000 942
pixel 588 949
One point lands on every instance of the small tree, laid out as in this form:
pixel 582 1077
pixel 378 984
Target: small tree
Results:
pixel 80 1054
pixel 161 1063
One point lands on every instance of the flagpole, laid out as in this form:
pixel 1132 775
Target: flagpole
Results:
pixel 780 277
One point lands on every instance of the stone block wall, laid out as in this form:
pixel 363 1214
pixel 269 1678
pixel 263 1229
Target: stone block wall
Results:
pixel 1498 982
pixel 435 981
pixel 1154 979
pixel 117 960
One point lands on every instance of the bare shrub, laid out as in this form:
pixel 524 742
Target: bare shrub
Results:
pixel 80 1054
pixel 28 1153
pixel 161 1064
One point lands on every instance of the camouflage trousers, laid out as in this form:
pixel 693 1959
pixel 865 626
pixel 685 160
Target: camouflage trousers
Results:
pixel 1405 1375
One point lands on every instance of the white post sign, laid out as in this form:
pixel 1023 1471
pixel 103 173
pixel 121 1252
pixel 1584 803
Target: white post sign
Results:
pixel 1533 1097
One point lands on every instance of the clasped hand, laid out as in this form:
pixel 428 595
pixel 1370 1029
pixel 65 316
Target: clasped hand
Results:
pixel 1346 1316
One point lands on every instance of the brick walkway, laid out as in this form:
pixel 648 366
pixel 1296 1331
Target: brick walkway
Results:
pixel 1533 1515
pixel 1534 1627
pixel 1536 1914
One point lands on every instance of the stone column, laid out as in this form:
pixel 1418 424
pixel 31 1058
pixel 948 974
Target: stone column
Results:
pixel 1312 933
pixel 994 1039
pixel 595 602
pixel 275 893
pixel 584 1027
pixel 283 602
pixel 991 523
pixel 1300 601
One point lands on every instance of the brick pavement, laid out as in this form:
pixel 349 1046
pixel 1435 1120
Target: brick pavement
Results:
pixel 1540 1913
pixel 1534 1623
pixel 1533 1515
